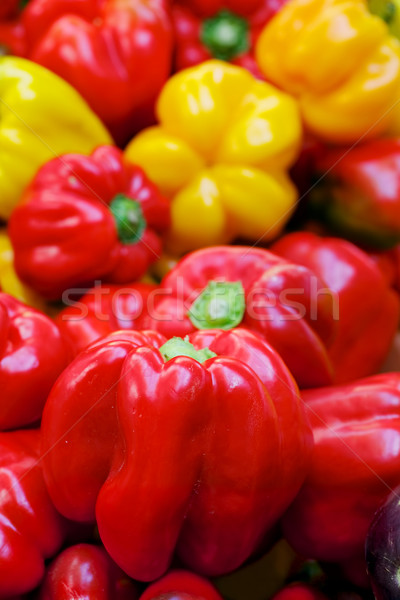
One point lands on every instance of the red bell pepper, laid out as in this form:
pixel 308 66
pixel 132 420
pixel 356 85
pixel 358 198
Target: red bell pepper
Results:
pixel 86 571
pixel 8 9
pixel 181 585
pixel 368 307
pixel 355 463
pixel 359 197
pixel 102 310
pixel 299 591
pixel 86 218
pixel 116 53
pixel 12 31
pixel 30 528
pixel 223 29
pixel 388 262
pixel 32 355
pixel 225 286
pixel 173 455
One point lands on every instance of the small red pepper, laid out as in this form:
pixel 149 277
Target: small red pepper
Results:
pixel 116 53
pixel 388 262
pixel 32 355
pixel 86 218
pixel 299 591
pixel 223 29
pixel 170 454
pixel 181 585
pixel 354 465
pixel 31 530
pixel 102 310
pixel 358 196
pixel 86 571
pixel 368 308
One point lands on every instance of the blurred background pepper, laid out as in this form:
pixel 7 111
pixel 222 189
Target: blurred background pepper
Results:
pixel 223 29
pixel 116 53
pixel 339 60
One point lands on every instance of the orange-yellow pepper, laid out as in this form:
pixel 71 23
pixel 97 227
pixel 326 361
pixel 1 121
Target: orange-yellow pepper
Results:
pixel 9 281
pixel 341 63
pixel 220 152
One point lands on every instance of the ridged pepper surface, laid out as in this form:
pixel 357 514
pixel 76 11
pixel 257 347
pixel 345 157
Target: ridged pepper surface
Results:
pixel 195 448
pixel 222 136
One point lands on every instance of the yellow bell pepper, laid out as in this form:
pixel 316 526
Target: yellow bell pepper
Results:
pixel 341 63
pixel 9 281
pixel 220 152
pixel 41 117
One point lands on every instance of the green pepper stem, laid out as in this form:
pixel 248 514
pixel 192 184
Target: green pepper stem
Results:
pixel 384 9
pixel 221 305
pixel 225 35
pixel 129 219
pixel 177 346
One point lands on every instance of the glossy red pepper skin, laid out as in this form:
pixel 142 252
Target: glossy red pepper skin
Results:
pixel 280 297
pixel 355 462
pixel 116 53
pixel 195 458
pixel 189 17
pixel 86 571
pixel 359 197
pixel 31 530
pixel 368 306
pixel 32 355
pixel 388 262
pixel 181 585
pixel 64 233
pixel 299 591
pixel 102 310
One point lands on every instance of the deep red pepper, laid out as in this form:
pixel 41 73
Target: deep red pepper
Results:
pixel 299 591
pixel 32 355
pixel 224 29
pixel 87 218
pixel 30 528
pixel 86 571
pixel 388 262
pixel 9 9
pixel 116 53
pixel 368 307
pixel 358 193
pixel 12 32
pixel 176 455
pixel 102 310
pixel 354 465
pixel 181 585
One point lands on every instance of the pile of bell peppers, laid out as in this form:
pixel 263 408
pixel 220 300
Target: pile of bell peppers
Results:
pixel 199 299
